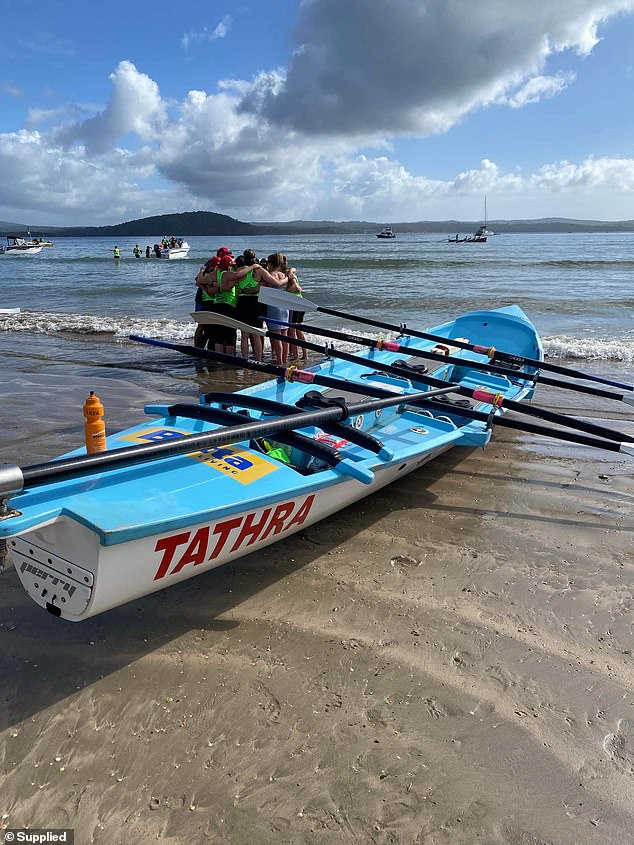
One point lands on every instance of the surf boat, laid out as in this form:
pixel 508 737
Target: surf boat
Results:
pixel 197 485
pixel 19 246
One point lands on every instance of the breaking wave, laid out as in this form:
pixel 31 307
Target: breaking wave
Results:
pixel 119 327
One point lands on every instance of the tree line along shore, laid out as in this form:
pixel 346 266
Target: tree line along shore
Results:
pixel 208 223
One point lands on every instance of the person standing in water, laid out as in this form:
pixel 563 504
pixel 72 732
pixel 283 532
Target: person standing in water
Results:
pixel 136 251
pixel 116 252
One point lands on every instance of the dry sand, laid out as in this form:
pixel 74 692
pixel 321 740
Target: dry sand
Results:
pixel 448 661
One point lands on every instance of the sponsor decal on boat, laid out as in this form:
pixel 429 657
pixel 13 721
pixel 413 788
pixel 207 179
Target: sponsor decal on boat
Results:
pixel 53 580
pixel 153 435
pixel 331 440
pixel 241 464
pixel 207 543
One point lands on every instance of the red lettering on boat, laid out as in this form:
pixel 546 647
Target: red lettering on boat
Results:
pixel 253 527
pixel 195 552
pixel 302 512
pixel 168 546
pixel 277 520
pixel 250 530
pixel 224 529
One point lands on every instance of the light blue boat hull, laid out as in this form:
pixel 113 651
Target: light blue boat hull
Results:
pixel 83 546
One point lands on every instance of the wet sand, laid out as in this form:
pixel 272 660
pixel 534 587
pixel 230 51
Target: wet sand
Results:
pixel 448 661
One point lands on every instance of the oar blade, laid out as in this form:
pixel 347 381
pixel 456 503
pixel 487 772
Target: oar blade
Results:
pixel 282 299
pixel 211 318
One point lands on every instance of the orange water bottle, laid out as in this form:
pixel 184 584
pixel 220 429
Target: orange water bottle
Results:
pixel 95 427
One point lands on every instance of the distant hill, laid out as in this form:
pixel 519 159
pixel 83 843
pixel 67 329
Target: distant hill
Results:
pixel 207 223
pixel 182 225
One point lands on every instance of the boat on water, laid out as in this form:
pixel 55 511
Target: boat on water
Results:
pixel 476 238
pixel 179 249
pixel 386 233
pixel 16 245
pixel 480 236
pixel 200 484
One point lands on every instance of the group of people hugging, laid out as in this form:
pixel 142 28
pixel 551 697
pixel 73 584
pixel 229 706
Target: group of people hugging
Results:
pixel 230 286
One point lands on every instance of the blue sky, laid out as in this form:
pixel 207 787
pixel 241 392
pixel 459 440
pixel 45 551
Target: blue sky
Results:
pixel 384 110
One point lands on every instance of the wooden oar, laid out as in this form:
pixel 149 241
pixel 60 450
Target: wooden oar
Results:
pixel 282 299
pixel 480 395
pixel 417 400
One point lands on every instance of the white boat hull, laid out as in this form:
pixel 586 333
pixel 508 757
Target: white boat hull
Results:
pixel 29 250
pixel 176 252
pixel 86 578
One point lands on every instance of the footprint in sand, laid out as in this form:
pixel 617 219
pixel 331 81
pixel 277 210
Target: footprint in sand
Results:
pixel 435 709
pixel 403 563
pixel 619 746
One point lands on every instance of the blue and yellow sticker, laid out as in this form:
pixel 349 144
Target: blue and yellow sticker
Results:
pixel 242 465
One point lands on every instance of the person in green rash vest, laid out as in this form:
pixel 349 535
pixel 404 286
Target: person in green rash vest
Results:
pixel 247 287
pixel 116 252
pixel 136 251
pixel 224 302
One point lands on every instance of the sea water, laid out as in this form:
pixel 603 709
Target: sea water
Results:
pixel 79 306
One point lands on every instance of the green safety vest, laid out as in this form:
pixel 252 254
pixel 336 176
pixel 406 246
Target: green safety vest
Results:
pixel 248 286
pixel 227 296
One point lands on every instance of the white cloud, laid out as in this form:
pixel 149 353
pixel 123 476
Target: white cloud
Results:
pixel 417 66
pixel 55 116
pixel 11 89
pixel 204 36
pixel 135 107
pixel 538 88
pixel 286 144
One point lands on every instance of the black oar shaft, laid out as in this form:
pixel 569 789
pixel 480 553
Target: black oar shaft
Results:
pixel 418 353
pixel 563 419
pixel 369 390
pixel 531 428
pixel 428 402
pixel 583 388
pixel 511 404
pixel 72 467
pixel 289 373
pixel 496 354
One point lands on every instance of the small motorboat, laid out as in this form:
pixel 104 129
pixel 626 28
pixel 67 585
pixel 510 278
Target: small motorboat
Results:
pixel 203 483
pixel 19 246
pixel 179 249
pixel 386 233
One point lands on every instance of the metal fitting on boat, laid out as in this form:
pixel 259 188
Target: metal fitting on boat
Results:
pixel 11 482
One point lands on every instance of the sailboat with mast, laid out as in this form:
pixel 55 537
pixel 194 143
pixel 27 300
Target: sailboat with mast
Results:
pixel 479 236
pixel 483 231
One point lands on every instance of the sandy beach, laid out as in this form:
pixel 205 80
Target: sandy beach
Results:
pixel 448 661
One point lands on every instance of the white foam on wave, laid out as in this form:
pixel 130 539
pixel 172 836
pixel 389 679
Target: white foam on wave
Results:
pixel 562 347
pixel 589 349
pixel 86 324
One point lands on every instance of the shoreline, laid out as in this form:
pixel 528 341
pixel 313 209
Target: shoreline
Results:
pixel 446 661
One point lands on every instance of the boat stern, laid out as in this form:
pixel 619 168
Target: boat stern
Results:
pixel 62 585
